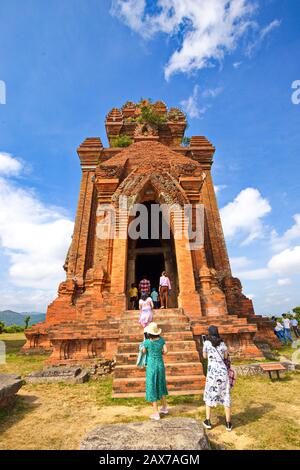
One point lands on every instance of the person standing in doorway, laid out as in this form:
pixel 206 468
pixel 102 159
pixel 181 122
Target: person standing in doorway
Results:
pixel 287 328
pixel 145 286
pixel 217 387
pixel 133 297
pixel 164 288
pixel 154 297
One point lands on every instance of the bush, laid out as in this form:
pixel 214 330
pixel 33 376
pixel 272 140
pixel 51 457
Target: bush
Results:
pixel 148 115
pixel 2 326
pixel 296 311
pixel 121 141
pixel 13 329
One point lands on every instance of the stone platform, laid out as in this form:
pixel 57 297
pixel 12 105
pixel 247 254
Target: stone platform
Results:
pixel 71 375
pixel 9 387
pixel 166 434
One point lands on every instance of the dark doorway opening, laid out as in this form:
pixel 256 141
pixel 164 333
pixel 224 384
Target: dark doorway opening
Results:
pixel 151 266
pixel 152 254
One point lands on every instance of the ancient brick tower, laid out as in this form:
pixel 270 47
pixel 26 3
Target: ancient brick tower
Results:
pixel 89 318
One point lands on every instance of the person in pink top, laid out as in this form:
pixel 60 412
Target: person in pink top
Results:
pixel 164 288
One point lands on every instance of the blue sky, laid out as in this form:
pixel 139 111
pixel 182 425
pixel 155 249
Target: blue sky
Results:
pixel 66 64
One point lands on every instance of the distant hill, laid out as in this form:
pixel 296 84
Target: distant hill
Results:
pixel 10 317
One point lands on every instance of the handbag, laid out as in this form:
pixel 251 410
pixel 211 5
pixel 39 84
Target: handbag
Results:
pixel 230 371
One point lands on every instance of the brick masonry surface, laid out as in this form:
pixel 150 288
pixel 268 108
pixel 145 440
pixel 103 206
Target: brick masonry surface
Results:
pixel 89 318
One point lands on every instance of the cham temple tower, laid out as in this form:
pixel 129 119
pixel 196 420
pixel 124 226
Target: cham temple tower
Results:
pixel 147 162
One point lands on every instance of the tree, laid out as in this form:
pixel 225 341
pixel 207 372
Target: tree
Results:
pixel 296 311
pixel 2 326
pixel 26 321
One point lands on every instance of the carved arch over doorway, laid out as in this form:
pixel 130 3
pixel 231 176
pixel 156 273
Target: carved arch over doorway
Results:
pixel 167 189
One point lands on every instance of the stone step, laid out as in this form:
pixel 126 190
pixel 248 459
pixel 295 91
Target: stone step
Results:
pixel 226 329
pixel 164 310
pixel 172 393
pixel 172 369
pixel 171 336
pixel 137 385
pixel 183 367
pixel 133 347
pixel 178 356
pixel 227 321
pixel 166 328
pixel 161 319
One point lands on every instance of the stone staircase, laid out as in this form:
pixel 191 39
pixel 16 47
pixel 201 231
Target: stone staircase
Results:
pixel 183 366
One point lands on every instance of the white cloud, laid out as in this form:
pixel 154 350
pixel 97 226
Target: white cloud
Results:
pixel 191 105
pixel 132 13
pixel 212 92
pixel 9 166
pixel 34 237
pixel 244 215
pixel 237 65
pixel 280 243
pixel 239 262
pixel 286 262
pixel 284 282
pixel 263 33
pixel 219 188
pixel 254 274
pixel 22 299
pixel 207 29
pixel 267 29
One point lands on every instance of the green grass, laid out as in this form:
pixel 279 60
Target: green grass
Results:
pixel 287 351
pixel 16 362
pixel 13 341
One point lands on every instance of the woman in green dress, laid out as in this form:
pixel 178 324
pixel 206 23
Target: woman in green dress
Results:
pixel 156 386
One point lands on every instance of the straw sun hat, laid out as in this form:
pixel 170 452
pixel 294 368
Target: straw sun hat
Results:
pixel 152 329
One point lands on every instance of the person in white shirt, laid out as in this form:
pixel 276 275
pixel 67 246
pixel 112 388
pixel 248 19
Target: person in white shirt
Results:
pixel 279 330
pixel 287 328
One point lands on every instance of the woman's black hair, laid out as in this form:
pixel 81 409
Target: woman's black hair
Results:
pixel 152 336
pixel 213 336
pixel 144 296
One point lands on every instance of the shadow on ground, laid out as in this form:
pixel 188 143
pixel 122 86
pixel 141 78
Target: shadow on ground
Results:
pixel 24 405
pixel 250 414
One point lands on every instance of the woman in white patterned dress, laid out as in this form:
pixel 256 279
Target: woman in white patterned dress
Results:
pixel 217 387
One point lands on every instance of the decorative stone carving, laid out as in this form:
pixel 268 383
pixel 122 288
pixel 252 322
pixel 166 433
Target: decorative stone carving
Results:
pixel 71 375
pixel 145 130
pixel 67 289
